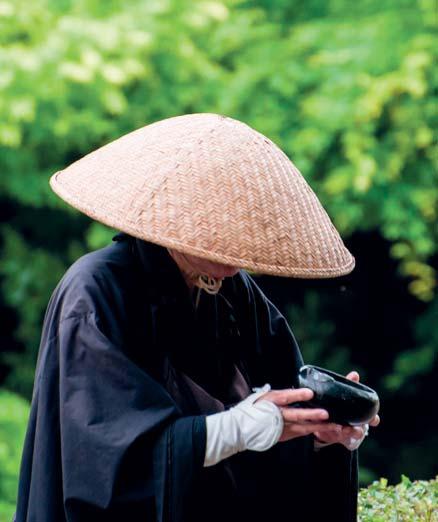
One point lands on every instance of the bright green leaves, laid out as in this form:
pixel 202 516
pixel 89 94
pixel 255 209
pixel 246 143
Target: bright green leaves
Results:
pixel 405 502
pixel 13 418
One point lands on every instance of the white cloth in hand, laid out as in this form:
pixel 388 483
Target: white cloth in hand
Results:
pixel 353 442
pixel 247 426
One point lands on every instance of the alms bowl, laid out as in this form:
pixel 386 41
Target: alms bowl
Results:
pixel 347 402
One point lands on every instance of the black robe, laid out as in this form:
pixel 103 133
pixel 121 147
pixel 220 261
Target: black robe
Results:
pixel 128 368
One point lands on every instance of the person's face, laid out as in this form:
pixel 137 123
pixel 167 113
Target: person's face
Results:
pixel 193 266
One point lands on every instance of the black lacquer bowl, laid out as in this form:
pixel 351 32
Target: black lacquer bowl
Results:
pixel 347 402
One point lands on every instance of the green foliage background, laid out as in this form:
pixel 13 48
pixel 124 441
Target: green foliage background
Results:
pixel 347 90
pixel 13 418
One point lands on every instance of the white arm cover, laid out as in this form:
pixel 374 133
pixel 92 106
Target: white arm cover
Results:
pixel 246 426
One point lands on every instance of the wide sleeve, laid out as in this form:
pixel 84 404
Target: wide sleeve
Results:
pixel 335 478
pixel 332 472
pixel 125 448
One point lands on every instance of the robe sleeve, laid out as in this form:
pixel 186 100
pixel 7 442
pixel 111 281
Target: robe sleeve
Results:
pixel 124 445
pixel 332 471
pixel 335 477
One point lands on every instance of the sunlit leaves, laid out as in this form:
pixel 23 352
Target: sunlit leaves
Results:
pixel 13 419
pixel 404 502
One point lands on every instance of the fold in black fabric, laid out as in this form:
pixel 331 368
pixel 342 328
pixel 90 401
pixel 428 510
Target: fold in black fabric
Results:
pixel 127 370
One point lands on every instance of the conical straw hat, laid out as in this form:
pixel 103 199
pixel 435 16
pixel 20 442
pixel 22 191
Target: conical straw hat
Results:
pixel 210 186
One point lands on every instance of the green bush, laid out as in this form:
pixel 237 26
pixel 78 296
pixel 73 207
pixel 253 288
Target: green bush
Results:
pixel 405 502
pixel 13 418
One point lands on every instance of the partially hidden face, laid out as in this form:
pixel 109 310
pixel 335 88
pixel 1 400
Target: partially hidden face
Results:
pixel 193 266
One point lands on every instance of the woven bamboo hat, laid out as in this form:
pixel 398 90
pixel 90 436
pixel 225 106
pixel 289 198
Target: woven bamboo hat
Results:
pixel 210 186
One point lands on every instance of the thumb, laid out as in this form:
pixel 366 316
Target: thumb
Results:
pixel 353 376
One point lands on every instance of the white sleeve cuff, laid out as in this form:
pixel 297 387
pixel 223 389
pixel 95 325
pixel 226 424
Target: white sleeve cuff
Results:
pixel 249 425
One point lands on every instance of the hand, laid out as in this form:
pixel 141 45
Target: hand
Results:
pixel 349 436
pixel 298 422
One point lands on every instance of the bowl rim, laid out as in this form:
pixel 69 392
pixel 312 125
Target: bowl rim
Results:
pixel 340 378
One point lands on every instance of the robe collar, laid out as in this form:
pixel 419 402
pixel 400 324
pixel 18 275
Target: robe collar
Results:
pixel 163 280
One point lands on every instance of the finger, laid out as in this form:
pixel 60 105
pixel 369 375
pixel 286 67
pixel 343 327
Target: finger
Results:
pixel 353 376
pixel 285 397
pixel 303 429
pixel 326 437
pixel 341 433
pixel 358 432
pixel 303 415
pixel 375 421
pixel 348 431
pixel 332 434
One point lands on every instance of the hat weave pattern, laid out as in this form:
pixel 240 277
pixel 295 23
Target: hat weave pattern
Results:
pixel 210 186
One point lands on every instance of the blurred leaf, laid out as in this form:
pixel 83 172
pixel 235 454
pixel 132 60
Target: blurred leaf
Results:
pixel 14 413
